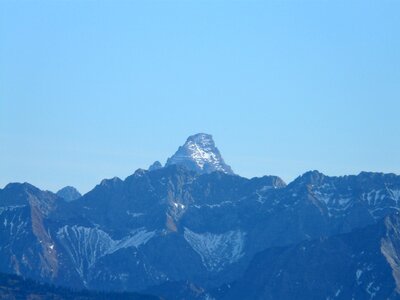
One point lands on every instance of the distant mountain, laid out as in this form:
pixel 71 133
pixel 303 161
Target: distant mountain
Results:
pixel 125 234
pixel 180 227
pixel 136 227
pixel 363 264
pixel 15 287
pixel 69 193
pixel 155 166
pixel 27 246
pixel 200 154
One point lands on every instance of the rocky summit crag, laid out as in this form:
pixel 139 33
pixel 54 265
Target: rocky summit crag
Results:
pixel 194 230
pixel 69 193
pixel 200 154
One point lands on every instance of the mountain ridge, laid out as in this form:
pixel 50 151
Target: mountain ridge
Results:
pixel 174 205
pixel 201 227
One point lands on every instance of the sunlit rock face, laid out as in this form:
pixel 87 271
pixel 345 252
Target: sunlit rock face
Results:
pixel 200 154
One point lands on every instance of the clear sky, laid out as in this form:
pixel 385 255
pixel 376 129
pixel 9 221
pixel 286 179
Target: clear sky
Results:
pixel 96 89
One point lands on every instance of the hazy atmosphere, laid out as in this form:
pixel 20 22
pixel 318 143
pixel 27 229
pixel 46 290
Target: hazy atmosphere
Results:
pixel 200 150
pixel 96 89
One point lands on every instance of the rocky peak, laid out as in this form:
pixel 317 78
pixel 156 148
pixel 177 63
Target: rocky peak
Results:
pixel 155 166
pixel 309 178
pixel 200 154
pixel 69 193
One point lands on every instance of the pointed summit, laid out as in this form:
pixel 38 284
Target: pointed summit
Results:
pixel 69 193
pixel 200 154
pixel 155 166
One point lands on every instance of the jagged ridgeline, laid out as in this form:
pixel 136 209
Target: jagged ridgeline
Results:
pixel 192 229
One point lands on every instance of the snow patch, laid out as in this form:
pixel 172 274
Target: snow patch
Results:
pixel 87 245
pixel 10 208
pixel 371 290
pixel 358 275
pixel 217 250
pixel 338 292
pixel 395 195
pixel 134 214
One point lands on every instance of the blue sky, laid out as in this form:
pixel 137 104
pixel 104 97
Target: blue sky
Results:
pixel 96 89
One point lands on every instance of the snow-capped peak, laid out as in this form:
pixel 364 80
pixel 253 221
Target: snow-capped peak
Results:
pixel 200 154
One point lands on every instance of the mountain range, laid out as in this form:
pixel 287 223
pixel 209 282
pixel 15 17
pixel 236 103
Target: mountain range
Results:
pixel 193 229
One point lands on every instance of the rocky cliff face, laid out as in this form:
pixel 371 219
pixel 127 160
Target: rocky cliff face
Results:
pixel 200 154
pixel 27 246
